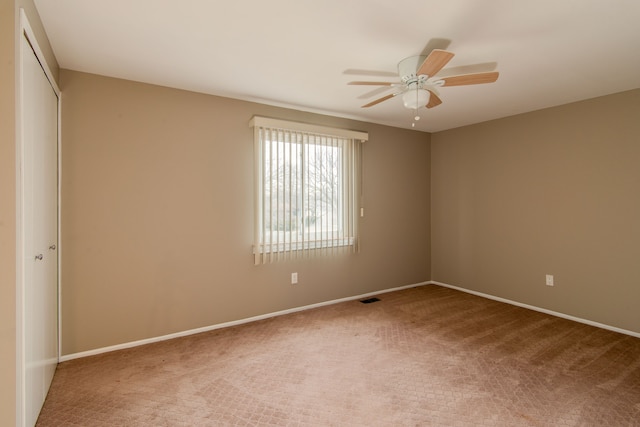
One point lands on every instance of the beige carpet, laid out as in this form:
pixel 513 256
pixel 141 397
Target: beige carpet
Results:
pixel 427 356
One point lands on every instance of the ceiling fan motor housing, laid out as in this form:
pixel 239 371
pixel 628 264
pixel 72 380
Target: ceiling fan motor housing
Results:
pixel 408 67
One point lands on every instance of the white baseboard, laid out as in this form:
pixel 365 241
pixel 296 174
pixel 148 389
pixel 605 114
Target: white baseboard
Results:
pixel 541 310
pixel 336 301
pixel 227 324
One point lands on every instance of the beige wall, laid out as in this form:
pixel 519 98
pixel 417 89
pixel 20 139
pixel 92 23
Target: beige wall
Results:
pixel 554 191
pixel 9 31
pixel 157 214
pixel 7 217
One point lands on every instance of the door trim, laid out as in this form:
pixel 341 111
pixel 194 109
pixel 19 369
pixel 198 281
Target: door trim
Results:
pixel 25 30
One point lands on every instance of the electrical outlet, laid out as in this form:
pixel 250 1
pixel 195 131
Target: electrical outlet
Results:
pixel 549 280
pixel 294 278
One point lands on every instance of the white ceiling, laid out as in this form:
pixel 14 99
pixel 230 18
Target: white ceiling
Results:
pixel 302 53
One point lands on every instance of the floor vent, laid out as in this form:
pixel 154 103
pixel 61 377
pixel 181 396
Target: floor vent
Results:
pixel 369 300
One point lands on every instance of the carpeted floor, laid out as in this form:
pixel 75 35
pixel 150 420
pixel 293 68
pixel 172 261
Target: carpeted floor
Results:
pixel 427 356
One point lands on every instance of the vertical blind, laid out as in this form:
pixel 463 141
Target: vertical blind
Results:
pixel 308 190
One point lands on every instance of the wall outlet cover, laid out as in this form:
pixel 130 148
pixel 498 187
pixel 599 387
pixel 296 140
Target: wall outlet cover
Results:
pixel 549 280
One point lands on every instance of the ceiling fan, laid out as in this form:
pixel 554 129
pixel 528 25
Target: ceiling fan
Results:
pixel 419 82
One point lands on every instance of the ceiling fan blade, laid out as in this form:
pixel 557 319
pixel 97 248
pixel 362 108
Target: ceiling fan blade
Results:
pixel 459 70
pixel 434 100
pixel 379 100
pixel 372 83
pixel 437 59
pixel 470 79
pixel 375 92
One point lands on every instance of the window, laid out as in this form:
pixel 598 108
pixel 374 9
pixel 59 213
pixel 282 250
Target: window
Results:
pixel 307 189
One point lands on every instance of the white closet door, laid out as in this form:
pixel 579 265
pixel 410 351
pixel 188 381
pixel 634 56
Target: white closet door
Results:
pixel 39 112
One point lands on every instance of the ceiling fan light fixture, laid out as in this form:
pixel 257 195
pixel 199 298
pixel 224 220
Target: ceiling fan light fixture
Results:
pixel 414 99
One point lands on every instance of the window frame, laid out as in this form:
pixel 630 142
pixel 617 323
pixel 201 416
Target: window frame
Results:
pixel 350 149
